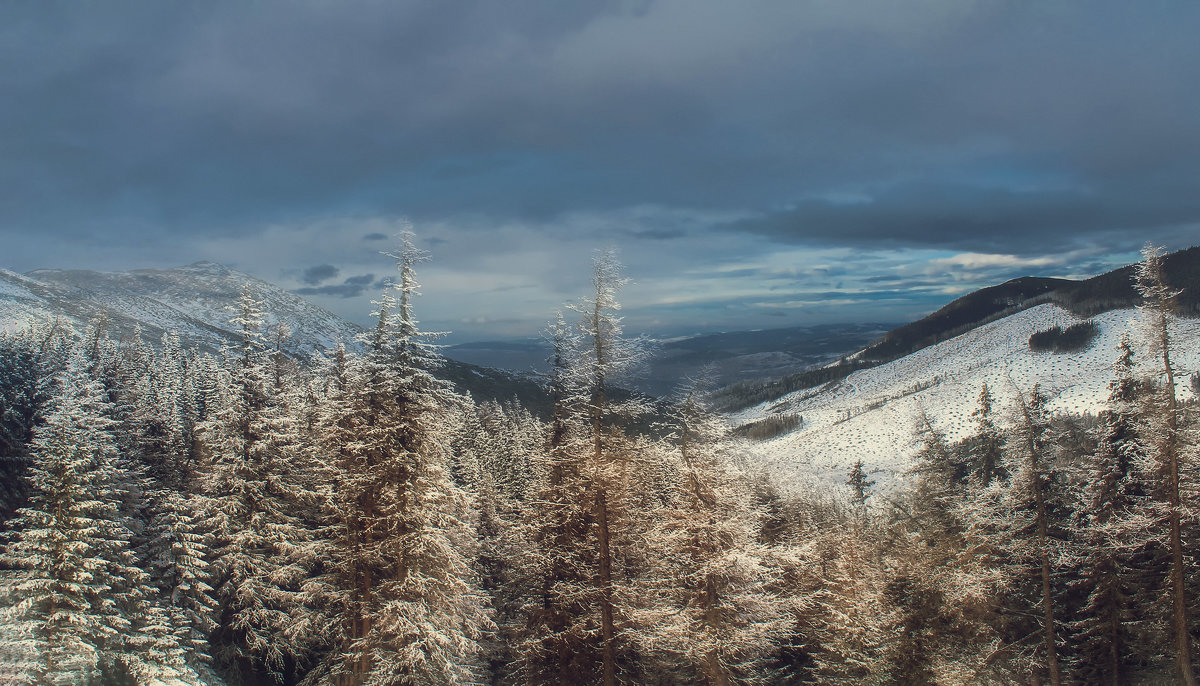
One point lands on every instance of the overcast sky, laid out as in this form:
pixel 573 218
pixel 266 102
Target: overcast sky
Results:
pixel 758 163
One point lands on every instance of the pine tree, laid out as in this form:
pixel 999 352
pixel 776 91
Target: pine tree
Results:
pixel 1112 492
pixel 401 589
pixel 251 491
pixel 712 616
pixel 75 593
pixel 556 634
pixel 1164 443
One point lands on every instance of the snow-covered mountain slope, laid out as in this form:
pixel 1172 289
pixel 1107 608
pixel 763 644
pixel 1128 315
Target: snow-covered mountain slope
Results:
pixel 872 414
pixel 193 301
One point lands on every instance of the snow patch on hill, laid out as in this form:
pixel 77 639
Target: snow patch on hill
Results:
pixel 872 414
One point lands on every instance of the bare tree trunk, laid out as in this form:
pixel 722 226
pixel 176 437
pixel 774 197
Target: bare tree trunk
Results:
pixel 1114 642
pixel 599 401
pixel 1159 301
pixel 606 604
pixel 1048 629
pixel 1183 642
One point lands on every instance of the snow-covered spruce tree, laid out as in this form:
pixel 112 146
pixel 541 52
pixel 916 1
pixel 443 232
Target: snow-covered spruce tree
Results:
pixel 609 469
pixel 171 541
pixel 400 589
pixel 74 594
pixel 860 485
pixel 1019 525
pixel 1164 445
pixel 512 437
pixel 1111 536
pixel 936 589
pixel 711 616
pixel 556 633
pixel 494 446
pixel 940 487
pixel 156 428
pixel 251 487
pixel 584 538
pixel 850 631
pixel 29 361
pixel 177 556
pixel 987 446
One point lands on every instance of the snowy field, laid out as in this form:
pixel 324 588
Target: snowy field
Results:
pixel 882 404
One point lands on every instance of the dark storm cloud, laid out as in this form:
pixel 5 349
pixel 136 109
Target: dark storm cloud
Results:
pixel 352 287
pixel 732 130
pixel 321 272
pixel 987 219
pixel 219 116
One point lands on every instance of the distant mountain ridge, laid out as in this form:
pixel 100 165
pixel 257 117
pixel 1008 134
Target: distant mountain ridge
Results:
pixel 194 302
pixel 1112 290
pixel 1107 292
pixel 726 357
pixel 872 414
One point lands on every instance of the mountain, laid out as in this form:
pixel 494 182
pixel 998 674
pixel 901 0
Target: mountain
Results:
pixel 194 302
pixel 729 357
pixel 1104 293
pixel 871 415
pixel 867 409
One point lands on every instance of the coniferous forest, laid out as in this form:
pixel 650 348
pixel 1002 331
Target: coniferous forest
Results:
pixel 177 516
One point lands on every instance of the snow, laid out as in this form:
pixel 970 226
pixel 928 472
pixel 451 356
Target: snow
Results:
pixel 191 300
pixel 945 379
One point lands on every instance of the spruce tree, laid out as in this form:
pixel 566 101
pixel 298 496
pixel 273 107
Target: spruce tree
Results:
pixel 988 445
pixel 606 354
pixel 1164 443
pixel 711 615
pixel 75 592
pixel 1019 525
pixel 1111 543
pixel 556 631
pixel 401 590
pixel 251 490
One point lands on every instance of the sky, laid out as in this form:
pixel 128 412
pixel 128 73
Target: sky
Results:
pixel 759 163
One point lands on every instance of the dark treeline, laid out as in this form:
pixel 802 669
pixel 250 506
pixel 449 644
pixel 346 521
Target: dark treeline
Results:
pixel 171 516
pixel 1056 339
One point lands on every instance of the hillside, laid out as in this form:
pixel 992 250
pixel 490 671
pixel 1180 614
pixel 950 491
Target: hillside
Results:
pixel 1104 293
pixel 191 300
pixel 872 413
pixel 194 301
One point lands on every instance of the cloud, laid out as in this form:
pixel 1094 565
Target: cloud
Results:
pixel 760 141
pixel 351 287
pixel 321 272
pixel 975 261
pixel 536 111
pixel 955 216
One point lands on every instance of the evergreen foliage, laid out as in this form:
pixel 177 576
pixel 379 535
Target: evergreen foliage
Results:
pixel 175 517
